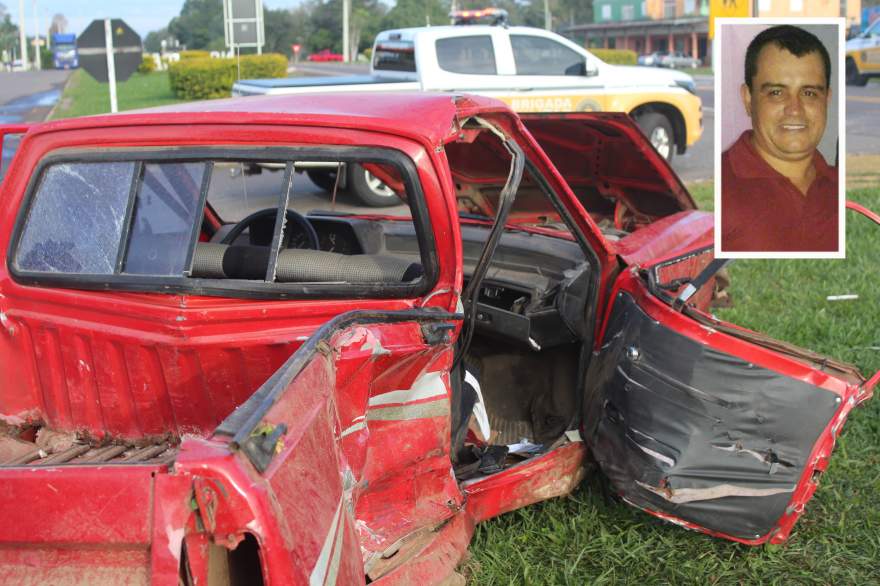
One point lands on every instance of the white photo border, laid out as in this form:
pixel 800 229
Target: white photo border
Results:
pixel 840 22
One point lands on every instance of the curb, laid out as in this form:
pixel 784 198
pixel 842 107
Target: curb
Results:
pixel 60 98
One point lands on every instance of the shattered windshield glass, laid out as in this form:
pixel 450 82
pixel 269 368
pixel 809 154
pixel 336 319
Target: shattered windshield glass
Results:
pixel 76 220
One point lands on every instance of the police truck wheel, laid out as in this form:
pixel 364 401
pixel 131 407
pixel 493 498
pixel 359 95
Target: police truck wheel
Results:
pixel 853 77
pixel 322 178
pixel 369 189
pixel 659 132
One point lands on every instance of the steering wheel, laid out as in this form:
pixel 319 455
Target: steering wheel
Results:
pixel 264 219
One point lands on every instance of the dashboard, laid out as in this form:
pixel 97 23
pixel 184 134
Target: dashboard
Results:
pixel 534 293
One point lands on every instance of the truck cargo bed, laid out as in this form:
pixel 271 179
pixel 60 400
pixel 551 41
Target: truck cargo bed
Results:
pixel 43 447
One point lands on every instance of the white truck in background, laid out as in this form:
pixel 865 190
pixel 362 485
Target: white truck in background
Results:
pixel 532 70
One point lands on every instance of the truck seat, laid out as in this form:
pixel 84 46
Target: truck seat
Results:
pixel 222 261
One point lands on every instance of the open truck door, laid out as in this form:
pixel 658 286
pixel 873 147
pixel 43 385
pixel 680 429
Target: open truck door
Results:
pixel 345 450
pixel 703 423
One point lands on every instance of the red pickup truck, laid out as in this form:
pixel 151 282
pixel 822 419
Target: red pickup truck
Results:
pixel 204 385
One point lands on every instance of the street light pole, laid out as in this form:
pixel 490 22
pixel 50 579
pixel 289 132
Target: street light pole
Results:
pixel 38 57
pixel 547 19
pixel 22 37
pixel 346 11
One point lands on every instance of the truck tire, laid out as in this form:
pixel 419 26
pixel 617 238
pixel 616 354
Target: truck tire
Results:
pixel 369 189
pixel 658 129
pixel 853 77
pixel 323 178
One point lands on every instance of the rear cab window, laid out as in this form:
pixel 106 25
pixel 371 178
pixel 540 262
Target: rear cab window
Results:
pixel 472 55
pixel 240 226
pixel 394 55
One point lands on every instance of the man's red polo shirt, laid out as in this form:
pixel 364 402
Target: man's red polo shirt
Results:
pixel 761 210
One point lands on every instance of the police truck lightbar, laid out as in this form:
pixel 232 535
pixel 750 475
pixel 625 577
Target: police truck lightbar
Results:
pixel 495 16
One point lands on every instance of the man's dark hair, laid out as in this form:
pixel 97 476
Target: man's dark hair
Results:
pixel 795 40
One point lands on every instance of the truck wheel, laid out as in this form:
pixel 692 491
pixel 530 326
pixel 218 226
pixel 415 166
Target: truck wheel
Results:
pixel 853 77
pixel 322 178
pixel 369 189
pixel 659 132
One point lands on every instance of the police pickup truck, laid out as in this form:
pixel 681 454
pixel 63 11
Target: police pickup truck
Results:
pixel 863 56
pixel 532 70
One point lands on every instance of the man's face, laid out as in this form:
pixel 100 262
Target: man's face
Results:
pixel 788 103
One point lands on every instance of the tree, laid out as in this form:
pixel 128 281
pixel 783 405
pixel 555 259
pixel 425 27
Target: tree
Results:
pixel 284 28
pixel 8 33
pixel 326 24
pixel 571 12
pixel 153 40
pixel 59 24
pixel 200 25
pixel 408 13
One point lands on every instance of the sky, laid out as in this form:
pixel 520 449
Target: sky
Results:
pixel 141 15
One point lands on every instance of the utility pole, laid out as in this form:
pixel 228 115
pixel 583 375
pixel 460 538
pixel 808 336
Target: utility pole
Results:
pixel 22 37
pixel 346 12
pixel 547 18
pixel 38 54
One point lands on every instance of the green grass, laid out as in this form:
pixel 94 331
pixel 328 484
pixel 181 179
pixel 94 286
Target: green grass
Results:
pixel 84 96
pixel 589 539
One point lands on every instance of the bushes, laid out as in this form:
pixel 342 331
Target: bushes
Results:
pixel 616 56
pixel 205 78
pixel 198 79
pixel 148 64
pixel 185 55
pixel 269 65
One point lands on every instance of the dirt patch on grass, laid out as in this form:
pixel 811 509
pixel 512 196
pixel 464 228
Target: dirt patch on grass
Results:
pixel 862 171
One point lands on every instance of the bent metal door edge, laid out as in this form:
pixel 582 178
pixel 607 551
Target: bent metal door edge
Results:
pixel 709 426
pixel 350 440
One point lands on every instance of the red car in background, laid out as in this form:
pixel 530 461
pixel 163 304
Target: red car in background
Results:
pixel 325 55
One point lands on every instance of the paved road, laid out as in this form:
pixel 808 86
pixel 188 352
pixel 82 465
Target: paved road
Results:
pixel 28 96
pixel 697 164
pixel 863 119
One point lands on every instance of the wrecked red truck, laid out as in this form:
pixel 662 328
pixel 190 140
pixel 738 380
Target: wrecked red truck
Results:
pixel 204 385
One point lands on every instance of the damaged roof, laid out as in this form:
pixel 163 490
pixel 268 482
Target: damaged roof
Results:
pixel 427 117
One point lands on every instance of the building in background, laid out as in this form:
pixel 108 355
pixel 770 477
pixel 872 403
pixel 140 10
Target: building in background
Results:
pixel 851 9
pixel 646 26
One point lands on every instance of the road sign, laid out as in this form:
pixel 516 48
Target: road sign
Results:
pixel 243 23
pixel 91 46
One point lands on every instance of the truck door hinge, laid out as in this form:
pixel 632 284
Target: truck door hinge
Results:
pixel 435 333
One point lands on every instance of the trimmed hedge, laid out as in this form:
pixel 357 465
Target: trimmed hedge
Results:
pixel 184 55
pixel 268 65
pixel 148 65
pixel 200 79
pixel 616 56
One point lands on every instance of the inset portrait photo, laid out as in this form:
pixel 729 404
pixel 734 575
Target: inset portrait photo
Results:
pixel 779 138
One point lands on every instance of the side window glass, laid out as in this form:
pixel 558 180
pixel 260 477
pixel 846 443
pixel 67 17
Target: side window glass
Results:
pixel 240 188
pixel 76 219
pixel 164 215
pixel 540 56
pixel 10 145
pixel 471 55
